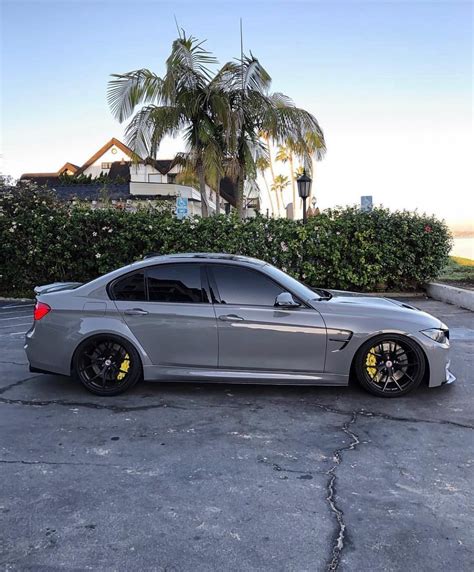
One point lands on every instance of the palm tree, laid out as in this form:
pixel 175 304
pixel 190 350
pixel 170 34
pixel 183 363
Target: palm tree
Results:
pixel 262 164
pixel 185 101
pixel 311 147
pixel 279 185
pixel 285 154
pixel 256 111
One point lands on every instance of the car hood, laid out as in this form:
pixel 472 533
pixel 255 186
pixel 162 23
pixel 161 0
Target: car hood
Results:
pixel 355 304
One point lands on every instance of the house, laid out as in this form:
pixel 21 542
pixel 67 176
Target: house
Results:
pixel 129 177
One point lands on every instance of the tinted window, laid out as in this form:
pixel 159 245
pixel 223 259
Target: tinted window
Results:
pixel 247 287
pixel 132 287
pixel 175 283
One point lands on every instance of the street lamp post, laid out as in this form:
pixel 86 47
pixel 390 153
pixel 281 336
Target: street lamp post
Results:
pixel 304 190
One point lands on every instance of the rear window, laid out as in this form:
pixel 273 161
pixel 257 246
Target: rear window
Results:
pixel 178 283
pixel 131 287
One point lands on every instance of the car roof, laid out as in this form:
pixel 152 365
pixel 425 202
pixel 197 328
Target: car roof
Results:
pixel 152 259
pixel 206 256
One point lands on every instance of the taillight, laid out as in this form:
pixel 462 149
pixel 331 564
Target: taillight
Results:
pixel 40 311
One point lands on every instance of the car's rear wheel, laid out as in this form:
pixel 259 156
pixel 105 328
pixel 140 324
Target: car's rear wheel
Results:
pixel 107 365
pixel 390 365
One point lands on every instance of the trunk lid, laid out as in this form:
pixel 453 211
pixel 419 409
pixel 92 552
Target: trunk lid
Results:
pixel 56 287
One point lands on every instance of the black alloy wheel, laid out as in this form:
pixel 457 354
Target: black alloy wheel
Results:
pixel 107 365
pixel 390 365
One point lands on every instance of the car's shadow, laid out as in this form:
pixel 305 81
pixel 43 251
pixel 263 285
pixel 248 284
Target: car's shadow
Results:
pixel 65 389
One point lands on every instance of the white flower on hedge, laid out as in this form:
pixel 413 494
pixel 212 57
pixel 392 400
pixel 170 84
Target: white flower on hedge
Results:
pixel 284 247
pixel 110 230
pixel 12 229
pixel 98 255
pixel 94 234
pixel 150 227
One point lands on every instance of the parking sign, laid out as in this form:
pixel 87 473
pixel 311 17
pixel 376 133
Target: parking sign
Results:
pixel 181 207
pixel 366 203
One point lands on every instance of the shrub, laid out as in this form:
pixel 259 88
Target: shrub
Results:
pixel 44 240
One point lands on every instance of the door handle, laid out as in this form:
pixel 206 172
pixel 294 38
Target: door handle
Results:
pixel 135 312
pixel 231 318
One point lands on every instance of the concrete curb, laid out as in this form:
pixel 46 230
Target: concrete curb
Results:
pixel 451 294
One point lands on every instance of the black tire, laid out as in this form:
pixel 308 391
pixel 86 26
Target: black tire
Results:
pixel 106 365
pixel 390 365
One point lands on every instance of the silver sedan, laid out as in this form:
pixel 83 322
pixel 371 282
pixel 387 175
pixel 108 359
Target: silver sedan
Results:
pixel 225 318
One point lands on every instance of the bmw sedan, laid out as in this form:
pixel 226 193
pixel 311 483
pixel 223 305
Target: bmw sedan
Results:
pixel 226 318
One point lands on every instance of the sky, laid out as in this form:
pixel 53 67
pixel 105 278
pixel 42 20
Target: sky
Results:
pixel 389 82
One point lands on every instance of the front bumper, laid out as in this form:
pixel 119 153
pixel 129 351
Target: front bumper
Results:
pixel 450 377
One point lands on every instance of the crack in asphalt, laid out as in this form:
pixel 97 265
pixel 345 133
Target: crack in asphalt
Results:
pixel 376 414
pixel 340 533
pixel 16 383
pixel 88 405
pixel 76 464
pixel 14 362
pixel 129 409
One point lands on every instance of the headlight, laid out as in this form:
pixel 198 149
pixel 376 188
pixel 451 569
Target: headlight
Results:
pixel 437 335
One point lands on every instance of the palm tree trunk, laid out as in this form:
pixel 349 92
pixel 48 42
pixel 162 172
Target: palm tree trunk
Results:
pixel 293 185
pixel 270 161
pixel 202 189
pixel 272 206
pixel 218 196
pixel 240 194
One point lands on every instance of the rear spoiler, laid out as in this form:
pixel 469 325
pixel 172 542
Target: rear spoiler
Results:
pixel 56 287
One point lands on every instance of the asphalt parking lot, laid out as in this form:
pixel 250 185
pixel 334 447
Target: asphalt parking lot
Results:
pixel 217 477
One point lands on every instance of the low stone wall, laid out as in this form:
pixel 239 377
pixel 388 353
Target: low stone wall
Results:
pixel 452 295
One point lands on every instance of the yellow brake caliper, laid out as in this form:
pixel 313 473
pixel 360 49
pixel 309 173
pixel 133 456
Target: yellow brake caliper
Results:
pixel 371 362
pixel 124 367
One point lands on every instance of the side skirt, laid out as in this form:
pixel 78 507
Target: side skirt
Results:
pixel 154 373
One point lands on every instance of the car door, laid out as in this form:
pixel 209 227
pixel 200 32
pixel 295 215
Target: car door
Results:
pixel 256 335
pixel 167 308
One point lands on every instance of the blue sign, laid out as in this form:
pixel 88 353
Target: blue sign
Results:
pixel 181 207
pixel 366 203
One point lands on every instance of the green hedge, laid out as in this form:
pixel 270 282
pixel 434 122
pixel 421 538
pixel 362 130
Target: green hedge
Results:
pixel 43 240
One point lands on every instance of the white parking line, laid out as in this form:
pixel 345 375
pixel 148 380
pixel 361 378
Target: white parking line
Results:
pixel 16 306
pixel 17 325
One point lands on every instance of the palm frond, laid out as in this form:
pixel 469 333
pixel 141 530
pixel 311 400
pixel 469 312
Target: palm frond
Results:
pixel 126 91
pixel 148 127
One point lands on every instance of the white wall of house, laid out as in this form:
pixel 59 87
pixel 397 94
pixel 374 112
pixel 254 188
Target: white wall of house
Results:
pixel 103 163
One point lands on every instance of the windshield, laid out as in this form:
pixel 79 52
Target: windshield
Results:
pixel 301 290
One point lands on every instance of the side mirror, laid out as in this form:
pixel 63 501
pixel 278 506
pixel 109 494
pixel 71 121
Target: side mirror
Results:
pixel 286 300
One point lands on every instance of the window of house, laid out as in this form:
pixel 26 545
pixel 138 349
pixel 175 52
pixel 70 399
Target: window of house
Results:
pixel 243 286
pixel 131 287
pixel 176 283
pixel 105 165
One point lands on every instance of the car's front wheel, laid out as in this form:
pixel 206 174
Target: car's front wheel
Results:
pixel 390 365
pixel 107 365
